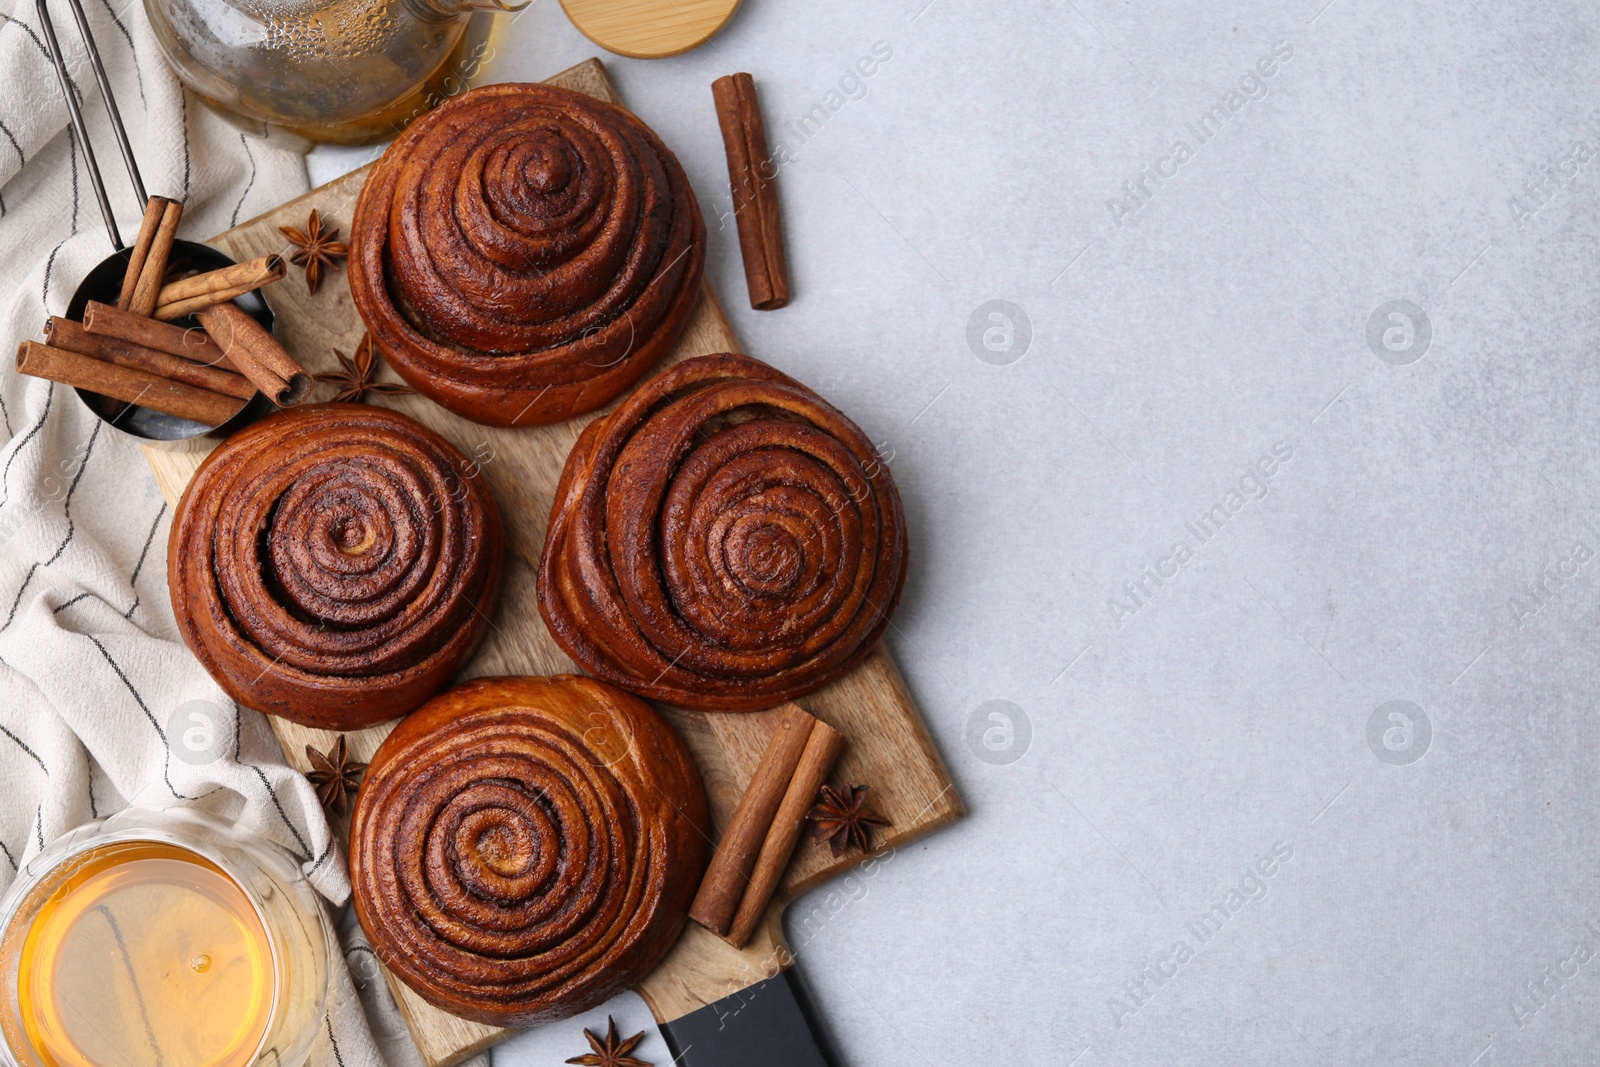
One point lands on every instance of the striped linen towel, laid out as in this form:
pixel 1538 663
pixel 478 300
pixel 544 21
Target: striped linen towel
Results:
pixel 92 671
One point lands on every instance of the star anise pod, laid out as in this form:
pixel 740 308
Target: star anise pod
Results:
pixel 355 381
pixel 335 776
pixel 314 248
pixel 843 818
pixel 613 1051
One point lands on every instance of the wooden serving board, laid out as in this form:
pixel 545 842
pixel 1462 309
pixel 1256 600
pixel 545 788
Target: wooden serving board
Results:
pixel 887 745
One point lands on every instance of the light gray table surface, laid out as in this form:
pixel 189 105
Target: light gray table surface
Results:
pixel 1371 672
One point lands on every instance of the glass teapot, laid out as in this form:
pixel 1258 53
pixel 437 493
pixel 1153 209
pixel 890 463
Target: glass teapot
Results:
pixel 347 71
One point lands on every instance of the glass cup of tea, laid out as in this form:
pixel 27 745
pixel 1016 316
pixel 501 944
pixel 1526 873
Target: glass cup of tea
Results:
pixel 163 937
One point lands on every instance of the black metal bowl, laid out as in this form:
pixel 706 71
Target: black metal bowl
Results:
pixel 156 428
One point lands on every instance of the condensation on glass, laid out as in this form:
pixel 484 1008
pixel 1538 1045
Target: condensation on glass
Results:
pixel 332 70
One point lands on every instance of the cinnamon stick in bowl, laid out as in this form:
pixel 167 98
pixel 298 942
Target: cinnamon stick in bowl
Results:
pixel 155 209
pixel 125 383
pixel 188 295
pixel 152 422
pixel 256 353
pixel 71 336
pixel 154 268
pixel 192 344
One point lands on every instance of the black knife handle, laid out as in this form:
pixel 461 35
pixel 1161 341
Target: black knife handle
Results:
pixel 770 1024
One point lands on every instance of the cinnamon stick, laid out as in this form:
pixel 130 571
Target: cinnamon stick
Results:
pixel 188 295
pixel 822 749
pixel 124 383
pixel 729 873
pixel 154 267
pixel 154 209
pixel 192 344
pixel 256 354
pixel 753 177
pixel 69 335
pixel 194 304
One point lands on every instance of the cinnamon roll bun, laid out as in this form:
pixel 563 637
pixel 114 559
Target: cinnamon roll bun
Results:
pixel 725 540
pixel 524 253
pixel 334 564
pixel 524 849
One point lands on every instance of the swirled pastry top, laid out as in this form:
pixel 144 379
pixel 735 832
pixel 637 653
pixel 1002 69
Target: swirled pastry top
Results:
pixel 725 539
pixel 334 564
pixel 523 849
pixel 523 253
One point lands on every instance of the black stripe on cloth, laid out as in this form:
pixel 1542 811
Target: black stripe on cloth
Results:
pixel 333 1040
pixel 126 36
pixel 38 826
pixel 7 20
pixel 24 746
pixel 149 538
pixel 23 588
pixel 5 475
pixel 5 411
pixel 94 810
pixel 72 154
pixel 11 137
pixel 49 398
pixel 66 505
pixel 321 859
pixel 166 755
pixel 251 156
pixel 3 215
pixel 183 98
pixel 66 510
pixel 273 793
pixel 144 554
pixel 9 857
pixel 355 975
pixel 63 607
pixel 49 268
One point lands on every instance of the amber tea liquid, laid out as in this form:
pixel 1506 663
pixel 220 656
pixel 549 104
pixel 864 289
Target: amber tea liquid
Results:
pixel 143 953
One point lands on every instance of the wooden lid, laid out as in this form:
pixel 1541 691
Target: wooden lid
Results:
pixel 649 29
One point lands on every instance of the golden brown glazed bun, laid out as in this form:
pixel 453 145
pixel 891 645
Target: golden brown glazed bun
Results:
pixel 523 253
pixel 724 540
pixel 524 849
pixel 334 564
